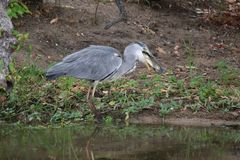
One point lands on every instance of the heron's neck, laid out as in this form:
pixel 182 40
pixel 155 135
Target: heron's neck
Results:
pixel 129 58
pixel 128 64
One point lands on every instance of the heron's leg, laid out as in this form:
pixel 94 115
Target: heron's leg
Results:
pixel 89 92
pixel 90 102
pixel 94 87
pixel 123 14
pixel 109 91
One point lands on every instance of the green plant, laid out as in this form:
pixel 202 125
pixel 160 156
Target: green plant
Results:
pixel 228 74
pixel 178 86
pixel 36 100
pixel 21 38
pixel 130 84
pixel 207 92
pixel 35 116
pixel 188 51
pixel 197 81
pixel 108 120
pixel 66 83
pixel 166 108
pixel 63 116
pixel 137 106
pixel 194 107
pixel 16 8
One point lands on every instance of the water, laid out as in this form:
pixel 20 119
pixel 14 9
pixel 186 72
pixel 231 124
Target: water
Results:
pixel 134 142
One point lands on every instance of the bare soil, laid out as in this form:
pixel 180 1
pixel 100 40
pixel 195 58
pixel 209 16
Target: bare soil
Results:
pixel 186 118
pixel 57 31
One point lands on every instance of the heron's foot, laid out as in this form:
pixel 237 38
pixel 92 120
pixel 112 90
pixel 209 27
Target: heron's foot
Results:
pixel 97 114
pixel 98 117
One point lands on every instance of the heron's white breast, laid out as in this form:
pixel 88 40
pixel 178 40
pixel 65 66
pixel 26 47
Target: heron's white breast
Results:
pixel 133 69
pixel 140 56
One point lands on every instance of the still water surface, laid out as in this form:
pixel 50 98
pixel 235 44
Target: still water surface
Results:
pixel 134 142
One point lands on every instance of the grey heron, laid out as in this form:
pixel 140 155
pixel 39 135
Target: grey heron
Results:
pixel 98 63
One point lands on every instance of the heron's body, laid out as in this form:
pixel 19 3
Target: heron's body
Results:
pixel 100 63
pixel 95 63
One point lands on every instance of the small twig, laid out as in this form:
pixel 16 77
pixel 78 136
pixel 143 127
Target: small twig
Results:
pixel 96 10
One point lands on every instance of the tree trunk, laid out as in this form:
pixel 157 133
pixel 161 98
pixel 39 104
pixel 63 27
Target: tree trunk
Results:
pixel 6 40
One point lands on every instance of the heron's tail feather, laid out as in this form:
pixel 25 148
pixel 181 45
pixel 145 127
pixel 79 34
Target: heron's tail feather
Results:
pixel 56 71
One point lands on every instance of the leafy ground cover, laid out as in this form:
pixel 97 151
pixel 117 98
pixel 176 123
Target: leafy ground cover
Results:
pixel 202 62
pixel 36 100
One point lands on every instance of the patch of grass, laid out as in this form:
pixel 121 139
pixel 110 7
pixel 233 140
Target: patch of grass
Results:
pixel 22 38
pixel 66 83
pixel 228 74
pixel 108 119
pixel 177 86
pixel 139 105
pixel 63 116
pixel 168 107
pixel 16 8
pixel 207 92
pixel 197 81
pixel 188 51
pixel 194 107
pixel 36 100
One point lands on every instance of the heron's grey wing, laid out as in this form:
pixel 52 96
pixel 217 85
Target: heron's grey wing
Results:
pixel 92 63
pixel 90 49
pixel 95 66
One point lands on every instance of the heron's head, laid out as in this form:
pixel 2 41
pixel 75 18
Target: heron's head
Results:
pixel 146 57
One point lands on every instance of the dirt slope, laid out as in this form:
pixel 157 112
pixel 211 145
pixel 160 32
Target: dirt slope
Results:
pixel 164 28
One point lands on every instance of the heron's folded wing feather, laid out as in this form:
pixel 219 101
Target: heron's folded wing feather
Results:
pixel 89 50
pixel 93 64
pixel 95 67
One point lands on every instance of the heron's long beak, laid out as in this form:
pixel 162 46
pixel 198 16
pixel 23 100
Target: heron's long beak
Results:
pixel 148 67
pixel 152 62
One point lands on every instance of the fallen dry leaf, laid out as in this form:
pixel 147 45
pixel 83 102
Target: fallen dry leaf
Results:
pixel 177 53
pixel 176 50
pixel 77 88
pixel 2 99
pixel 176 47
pixel 160 50
pixel 196 98
pixel 55 20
